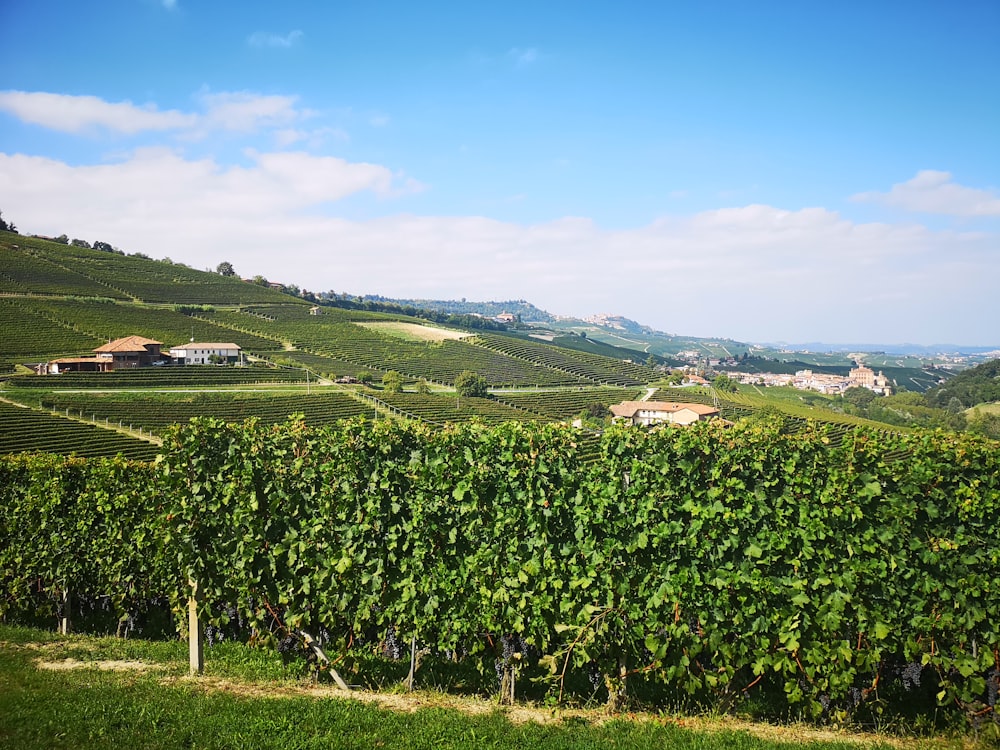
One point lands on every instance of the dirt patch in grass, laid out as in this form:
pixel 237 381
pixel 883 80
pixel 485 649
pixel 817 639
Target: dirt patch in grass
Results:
pixel 105 665
pixel 414 331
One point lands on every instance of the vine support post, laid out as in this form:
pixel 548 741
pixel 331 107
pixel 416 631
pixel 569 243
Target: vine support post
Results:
pixel 413 663
pixel 64 621
pixel 196 645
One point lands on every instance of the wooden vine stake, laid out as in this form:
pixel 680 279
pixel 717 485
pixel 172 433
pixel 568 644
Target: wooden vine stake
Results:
pixel 196 645
pixel 413 663
pixel 64 621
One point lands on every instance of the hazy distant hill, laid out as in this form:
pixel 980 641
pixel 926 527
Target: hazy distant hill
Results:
pixel 521 309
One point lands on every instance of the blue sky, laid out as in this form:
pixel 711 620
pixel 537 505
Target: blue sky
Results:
pixel 778 171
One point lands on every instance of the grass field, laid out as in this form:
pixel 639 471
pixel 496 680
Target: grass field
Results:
pixel 414 331
pixel 76 691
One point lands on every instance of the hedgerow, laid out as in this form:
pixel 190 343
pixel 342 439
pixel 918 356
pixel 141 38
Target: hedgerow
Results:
pixel 709 561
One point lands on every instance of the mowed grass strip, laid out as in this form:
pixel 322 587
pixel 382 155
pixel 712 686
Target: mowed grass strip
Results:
pixel 97 704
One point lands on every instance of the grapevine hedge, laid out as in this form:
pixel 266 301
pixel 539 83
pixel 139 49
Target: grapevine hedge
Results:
pixel 713 560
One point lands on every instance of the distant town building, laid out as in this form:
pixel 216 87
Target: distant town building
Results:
pixel 865 377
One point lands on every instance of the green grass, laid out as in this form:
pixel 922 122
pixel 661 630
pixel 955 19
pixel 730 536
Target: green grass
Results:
pixel 246 700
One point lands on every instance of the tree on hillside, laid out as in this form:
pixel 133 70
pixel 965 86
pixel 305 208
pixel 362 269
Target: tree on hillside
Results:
pixel 724 383
pixel 392 382
pixel 80 243
pixel 7 226
pixel 471 384
pixel 860 397
pixel 225 268
pixel 259 280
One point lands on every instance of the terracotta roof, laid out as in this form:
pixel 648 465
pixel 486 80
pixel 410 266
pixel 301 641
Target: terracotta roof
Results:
pixel 201 345
pixel 629 408
pixel 128 344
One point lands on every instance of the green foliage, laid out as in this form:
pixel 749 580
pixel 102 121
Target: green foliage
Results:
pixel 724 384
pixel 860 397
pixel 978 385
pixel 985 423
pixel 471 384
pixel 7 226
pixel 709 560
pixel 392 382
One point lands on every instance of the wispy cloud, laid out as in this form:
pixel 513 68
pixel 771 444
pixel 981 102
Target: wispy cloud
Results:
pixel 378 121
pixel 268 39
pixel 240 111
pixel 169 4
pixel 934 192
pixel 75 114
pixel 523 57
pixel 245 111
pixel 313 138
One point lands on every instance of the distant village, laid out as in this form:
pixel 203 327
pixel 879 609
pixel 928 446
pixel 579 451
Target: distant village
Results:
pixel 807 380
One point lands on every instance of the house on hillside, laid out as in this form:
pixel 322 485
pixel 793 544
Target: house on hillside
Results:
pixel 197 353
pixel 660 412
pixel 129 352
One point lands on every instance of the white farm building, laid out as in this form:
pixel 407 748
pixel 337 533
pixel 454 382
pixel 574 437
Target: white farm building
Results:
pixel 197 353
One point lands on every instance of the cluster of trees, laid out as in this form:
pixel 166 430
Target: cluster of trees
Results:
pixel 461 320
pixel 7 226
pixel 904 409
pixel 517 307
pixel 978 385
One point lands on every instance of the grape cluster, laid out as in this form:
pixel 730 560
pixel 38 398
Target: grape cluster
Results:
pixel 289 645
pixel 911 675
pixel 594 675
pixel 513 648
pixel 393 648
pixel 992 686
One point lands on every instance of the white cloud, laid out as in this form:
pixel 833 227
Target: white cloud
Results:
pixel 934 192
pixel 244 111
pixel 232 111
pixel 748 272
pixel 272 40
pixel 75 114
pixel 523 57
pixel 378 121
pixel 313 138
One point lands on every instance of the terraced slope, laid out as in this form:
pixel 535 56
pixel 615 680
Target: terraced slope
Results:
pixel 27 332
pixel 332 335
pixel 592 367
pixel 568 403
pixel 443 408
pixel 98 273
pixel 157 411
pixel 24 271
pixel 189 376
pixel 31 430
pixel 105 321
